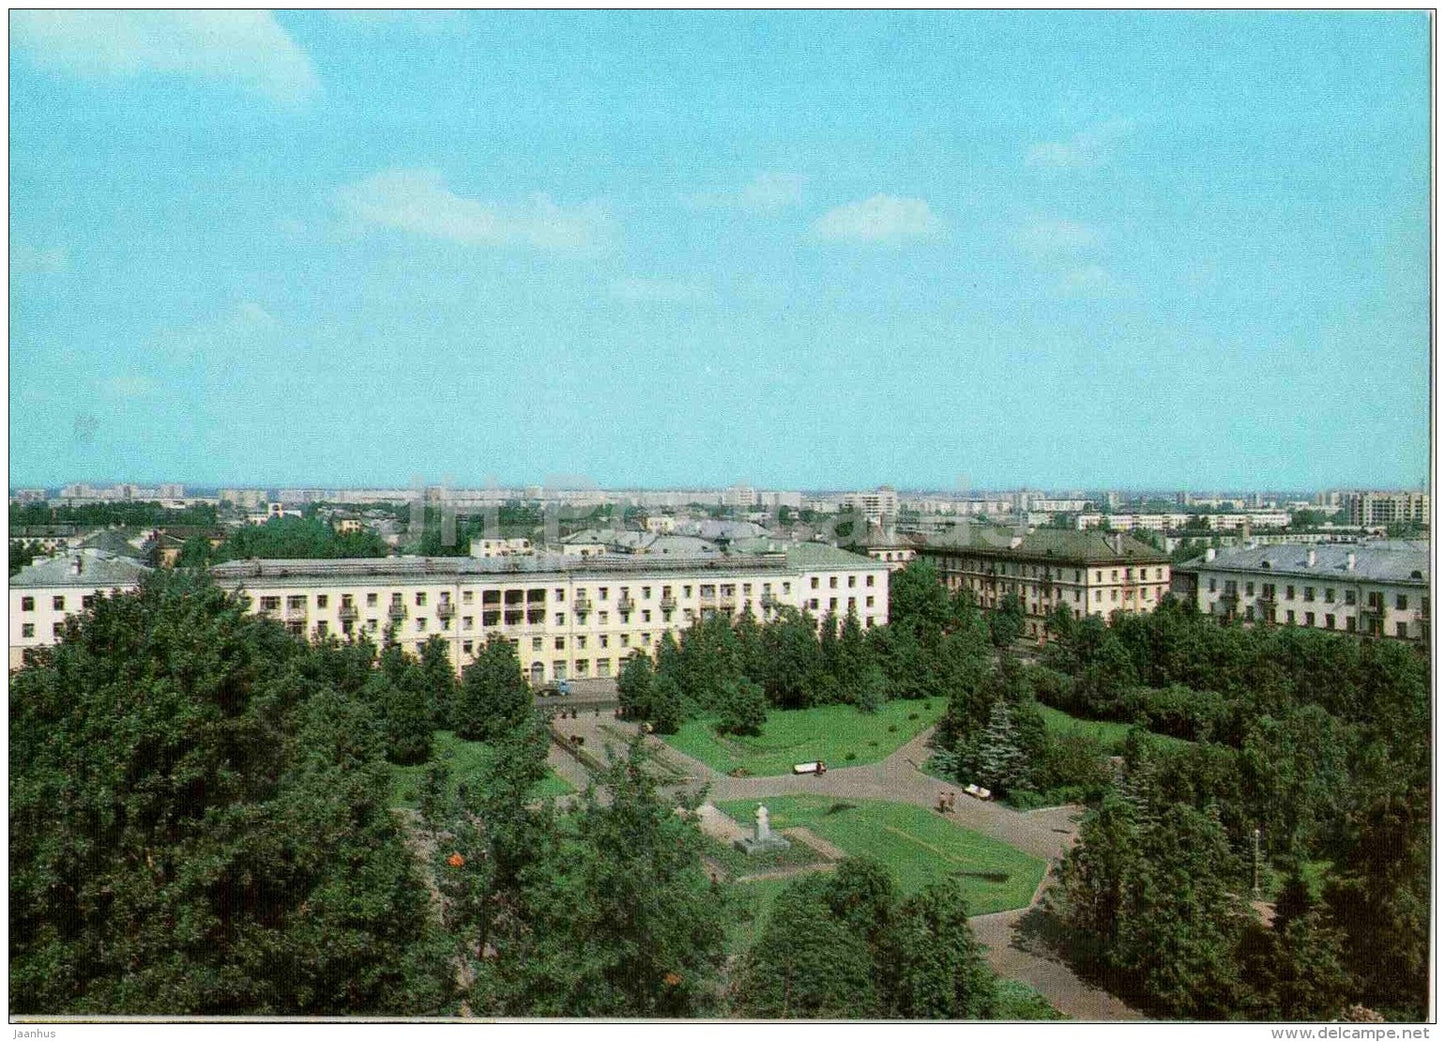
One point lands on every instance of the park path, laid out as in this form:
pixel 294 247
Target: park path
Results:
pixel 1046 834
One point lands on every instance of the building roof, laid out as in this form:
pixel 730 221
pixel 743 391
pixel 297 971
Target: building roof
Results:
pixel 814 556
pixel 1053 544
pixel 117 541
pixel 434 569
pixel 1392 561
pixel 99 569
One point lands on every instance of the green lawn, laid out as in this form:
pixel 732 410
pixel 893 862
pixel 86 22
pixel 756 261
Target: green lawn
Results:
pixel 1110 733
pixel 918 846
pixel 467 761
pixel 827 733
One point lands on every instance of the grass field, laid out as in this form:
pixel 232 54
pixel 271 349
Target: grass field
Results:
pixel 827 733
pixel 1110 733
pixel 467 761
pixel 918 846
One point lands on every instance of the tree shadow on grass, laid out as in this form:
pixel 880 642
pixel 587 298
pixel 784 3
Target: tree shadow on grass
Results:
pixel 1042 934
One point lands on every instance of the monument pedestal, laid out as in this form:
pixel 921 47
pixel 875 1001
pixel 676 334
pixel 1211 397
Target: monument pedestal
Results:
pixel 764 839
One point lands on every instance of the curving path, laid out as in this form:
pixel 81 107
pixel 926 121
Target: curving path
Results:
pixel 1044 833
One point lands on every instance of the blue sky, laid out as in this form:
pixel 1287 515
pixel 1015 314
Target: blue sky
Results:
pixel 797 249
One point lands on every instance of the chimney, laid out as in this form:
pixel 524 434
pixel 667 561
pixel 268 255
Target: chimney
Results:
pixel 77 564
pixel 1209 553
pixel 1311 557
pixel 1350 561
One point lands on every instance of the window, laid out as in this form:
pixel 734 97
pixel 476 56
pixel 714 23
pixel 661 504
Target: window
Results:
pixel 59 603
pixel 270 603
pixel 371 600
pixel 1211 584
pixel 1350 623
pixel 321 628
pixel 1114 575
pixel 647 638
pixel 687 591
pixel 559 643
pixel 832 582
pixel 1349 596
pixel 813 604
pixel 1329 622
pixel 815 582
pixel 787 587
pixel 561 596
pixel 322 600
pixel 601 641
pixel 852 581
pixel 466 596
pixel 1329 595
pixel 561 618
pixel 1402 602
pixel 602 617
pixel 536 643
pixel 28 603
pixel 868 602
pixel 604 667
pixel 421 599
pixel 1402 629
pixel 1113 595
pixel 1289 594
pixel 1309 594
pixel 467 647
pixel 581 642
pixel 88 601
pixel 1309 618
pixel 647 593
pixel 421 624
pixel 832 603
pixel 1098 595
pixel 58 630
pixel 1289 617
pixel 27 629
pixel 1249 589
pixel 626 640
pixel 295 603
pixel 581 667
pixel 371 625
pixel 868 580
pixel 467 622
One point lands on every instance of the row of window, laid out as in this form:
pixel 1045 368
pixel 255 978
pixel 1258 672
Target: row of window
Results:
pixel 833 581
pixel 57 602
pixel 1374 599
pixel 1030 571
pixel 1402 629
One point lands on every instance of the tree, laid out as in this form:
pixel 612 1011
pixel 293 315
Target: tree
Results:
pixel 1001 764
pixel 792 643
pixel 742 709
pixel 917 601
pixel 634 686
pixel 198 824
pixel 942 973
pixel 616 917
pixel 807 963
pixel 1006 622
pixel 666 710
pixel 1308 980
pixel 494 696
pixel 439 680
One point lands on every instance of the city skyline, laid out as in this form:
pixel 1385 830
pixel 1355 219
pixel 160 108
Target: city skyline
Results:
pixel 688 249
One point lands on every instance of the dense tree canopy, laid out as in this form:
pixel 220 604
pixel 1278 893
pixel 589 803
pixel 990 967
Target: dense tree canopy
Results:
pixel 197 823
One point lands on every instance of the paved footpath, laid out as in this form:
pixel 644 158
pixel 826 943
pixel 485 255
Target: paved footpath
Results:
pixel 1047 834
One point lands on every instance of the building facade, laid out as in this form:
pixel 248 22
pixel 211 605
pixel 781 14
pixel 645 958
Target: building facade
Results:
pixel 1387 508
pixel 1087 572
pixel 47 592
pixel 1379 589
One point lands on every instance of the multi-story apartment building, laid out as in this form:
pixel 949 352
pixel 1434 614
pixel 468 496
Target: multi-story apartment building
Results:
pixel 1387 508
pixel 1379 589
pixel 1088 572
pixel 876 507
pixel 47 592
pixel 567 616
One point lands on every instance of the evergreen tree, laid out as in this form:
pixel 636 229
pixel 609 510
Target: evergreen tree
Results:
pixel 1001 761
pixel 494 697
pixel 742 709
pixel 942 973
pixel 634 686
pixel 666 710
pixel 439 680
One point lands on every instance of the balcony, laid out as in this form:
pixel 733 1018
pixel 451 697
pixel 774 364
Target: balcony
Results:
pixel 1229 597
pixel 446 609
pixel 296 611
pixel 769 601
pixel 1266 597
pixel 669 603
pixel 728 603
pixel 347 613
pixel 582 605
pixel 396 610
pixel 626 605
pixel 1376 611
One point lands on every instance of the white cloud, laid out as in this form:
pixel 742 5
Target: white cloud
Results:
pixel 1045 238
pixel 1087 280
pixel 764 194
pixel 645 291
pixel 31 260
pixel 881 219
pixel 246 48
pixel 128 385
pixel 417 201
pixel 1086 149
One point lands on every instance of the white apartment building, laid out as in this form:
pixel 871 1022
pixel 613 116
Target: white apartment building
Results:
pixel 1379 589
pixel 566 616
pixel 1385 508
pixel 47 592
pixel 876 507
pixel 1090 573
